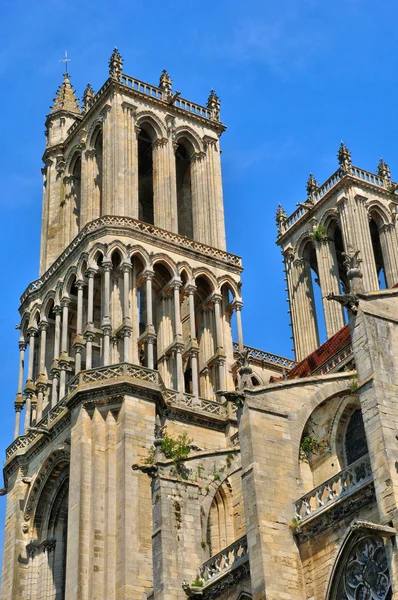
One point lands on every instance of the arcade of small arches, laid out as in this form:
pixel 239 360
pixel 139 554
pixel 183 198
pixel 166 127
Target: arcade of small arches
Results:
pixel 117 307
pixel 318 259
pixel 85 179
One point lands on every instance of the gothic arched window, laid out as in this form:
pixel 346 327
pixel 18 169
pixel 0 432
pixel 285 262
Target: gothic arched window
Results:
pixel 184 189
pixel 145 178
pixel 374 224
pixel 355 438
pixel 363 572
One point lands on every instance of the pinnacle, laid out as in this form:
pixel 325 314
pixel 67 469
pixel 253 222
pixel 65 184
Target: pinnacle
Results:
pixel 66 98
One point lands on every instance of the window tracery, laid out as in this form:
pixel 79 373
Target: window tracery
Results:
pixel 365 574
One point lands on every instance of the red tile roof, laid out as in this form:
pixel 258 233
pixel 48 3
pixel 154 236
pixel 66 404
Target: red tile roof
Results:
pixel 324 353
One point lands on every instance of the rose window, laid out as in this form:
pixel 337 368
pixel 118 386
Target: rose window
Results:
pixel 366 574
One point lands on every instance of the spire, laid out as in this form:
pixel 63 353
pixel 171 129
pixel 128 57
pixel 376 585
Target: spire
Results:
pixel 344 156
pixel 165 83
pixel 311 187
pixel 88 97
pixel 280 218
pixel 213 104
pixel 66 98
pixel 383 170
pixel 115 65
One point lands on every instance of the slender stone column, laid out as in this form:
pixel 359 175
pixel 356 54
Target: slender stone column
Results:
pixel 22 348
pixel 389 248
pixel 329 282
pixel 106 321
pixel 79 341
pixel 108 158
pixel 64 347
pixel 30 387
pixel 354 221
pixel 200 199
pixel 215 198
pixel 219 341
pixel 127 328
pixel 54 368
pixel 178 336
pixel 42 378
pixel 302 306
pixel 88 334
pixel 238 306
pixel 149 319
pixel 161 185
pixel 65 325
pixel 18 408
pixel 194 344
pixel 130 162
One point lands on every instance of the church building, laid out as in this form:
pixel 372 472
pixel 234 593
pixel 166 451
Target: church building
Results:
pixel 155 456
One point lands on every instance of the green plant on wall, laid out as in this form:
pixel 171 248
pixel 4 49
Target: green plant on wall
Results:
pixel 318 234
pixel 177 449
pixel 310 445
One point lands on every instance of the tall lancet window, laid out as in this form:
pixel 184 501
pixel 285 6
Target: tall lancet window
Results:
pixel 184 189
pixel 145 178
pixel 98 193
pixel 374 225
pixel 76 197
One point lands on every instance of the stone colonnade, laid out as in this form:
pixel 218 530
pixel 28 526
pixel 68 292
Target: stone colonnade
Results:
pixel 118 315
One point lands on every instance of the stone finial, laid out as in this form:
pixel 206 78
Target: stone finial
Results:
pixel 213 104
pixel 165 83
pixel 344 156
pixel 66 98
pixel 383 170
pixel 280 217
pixel 115 65
pixel 88 97
pixel 311 187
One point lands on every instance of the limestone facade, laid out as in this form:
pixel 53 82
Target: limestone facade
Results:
pixel 154 456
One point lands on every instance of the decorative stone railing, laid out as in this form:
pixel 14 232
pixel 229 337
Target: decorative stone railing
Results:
pixel 132 225
pixel 142 87
pixel 355 172
pixel 224 562
pixel 44 425
pixel 106 375
pixel 208 407
pixel 272 359
pixel 335 489
pixel 103 374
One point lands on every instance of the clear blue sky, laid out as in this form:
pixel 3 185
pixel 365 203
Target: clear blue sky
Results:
pixel 294 78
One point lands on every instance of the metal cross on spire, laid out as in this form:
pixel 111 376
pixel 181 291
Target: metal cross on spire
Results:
pixel 65 60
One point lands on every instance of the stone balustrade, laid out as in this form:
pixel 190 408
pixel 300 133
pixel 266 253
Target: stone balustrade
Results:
pixel 344 484
pixel 103 374
pixel 224 562
pixel 108 374
pixel 267 357
pixel 324 189
pixel 208 407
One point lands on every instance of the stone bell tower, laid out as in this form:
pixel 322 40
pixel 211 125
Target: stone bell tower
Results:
pixel 129 323
pixel 353 210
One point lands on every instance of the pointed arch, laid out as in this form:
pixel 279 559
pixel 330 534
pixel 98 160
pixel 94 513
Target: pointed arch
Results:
pixel 186 132
pixel 360 545
pixel 157 127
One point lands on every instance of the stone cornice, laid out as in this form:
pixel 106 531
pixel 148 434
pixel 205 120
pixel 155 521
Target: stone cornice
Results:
pixel 139 231
pixel 342 181
pixel 111 86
